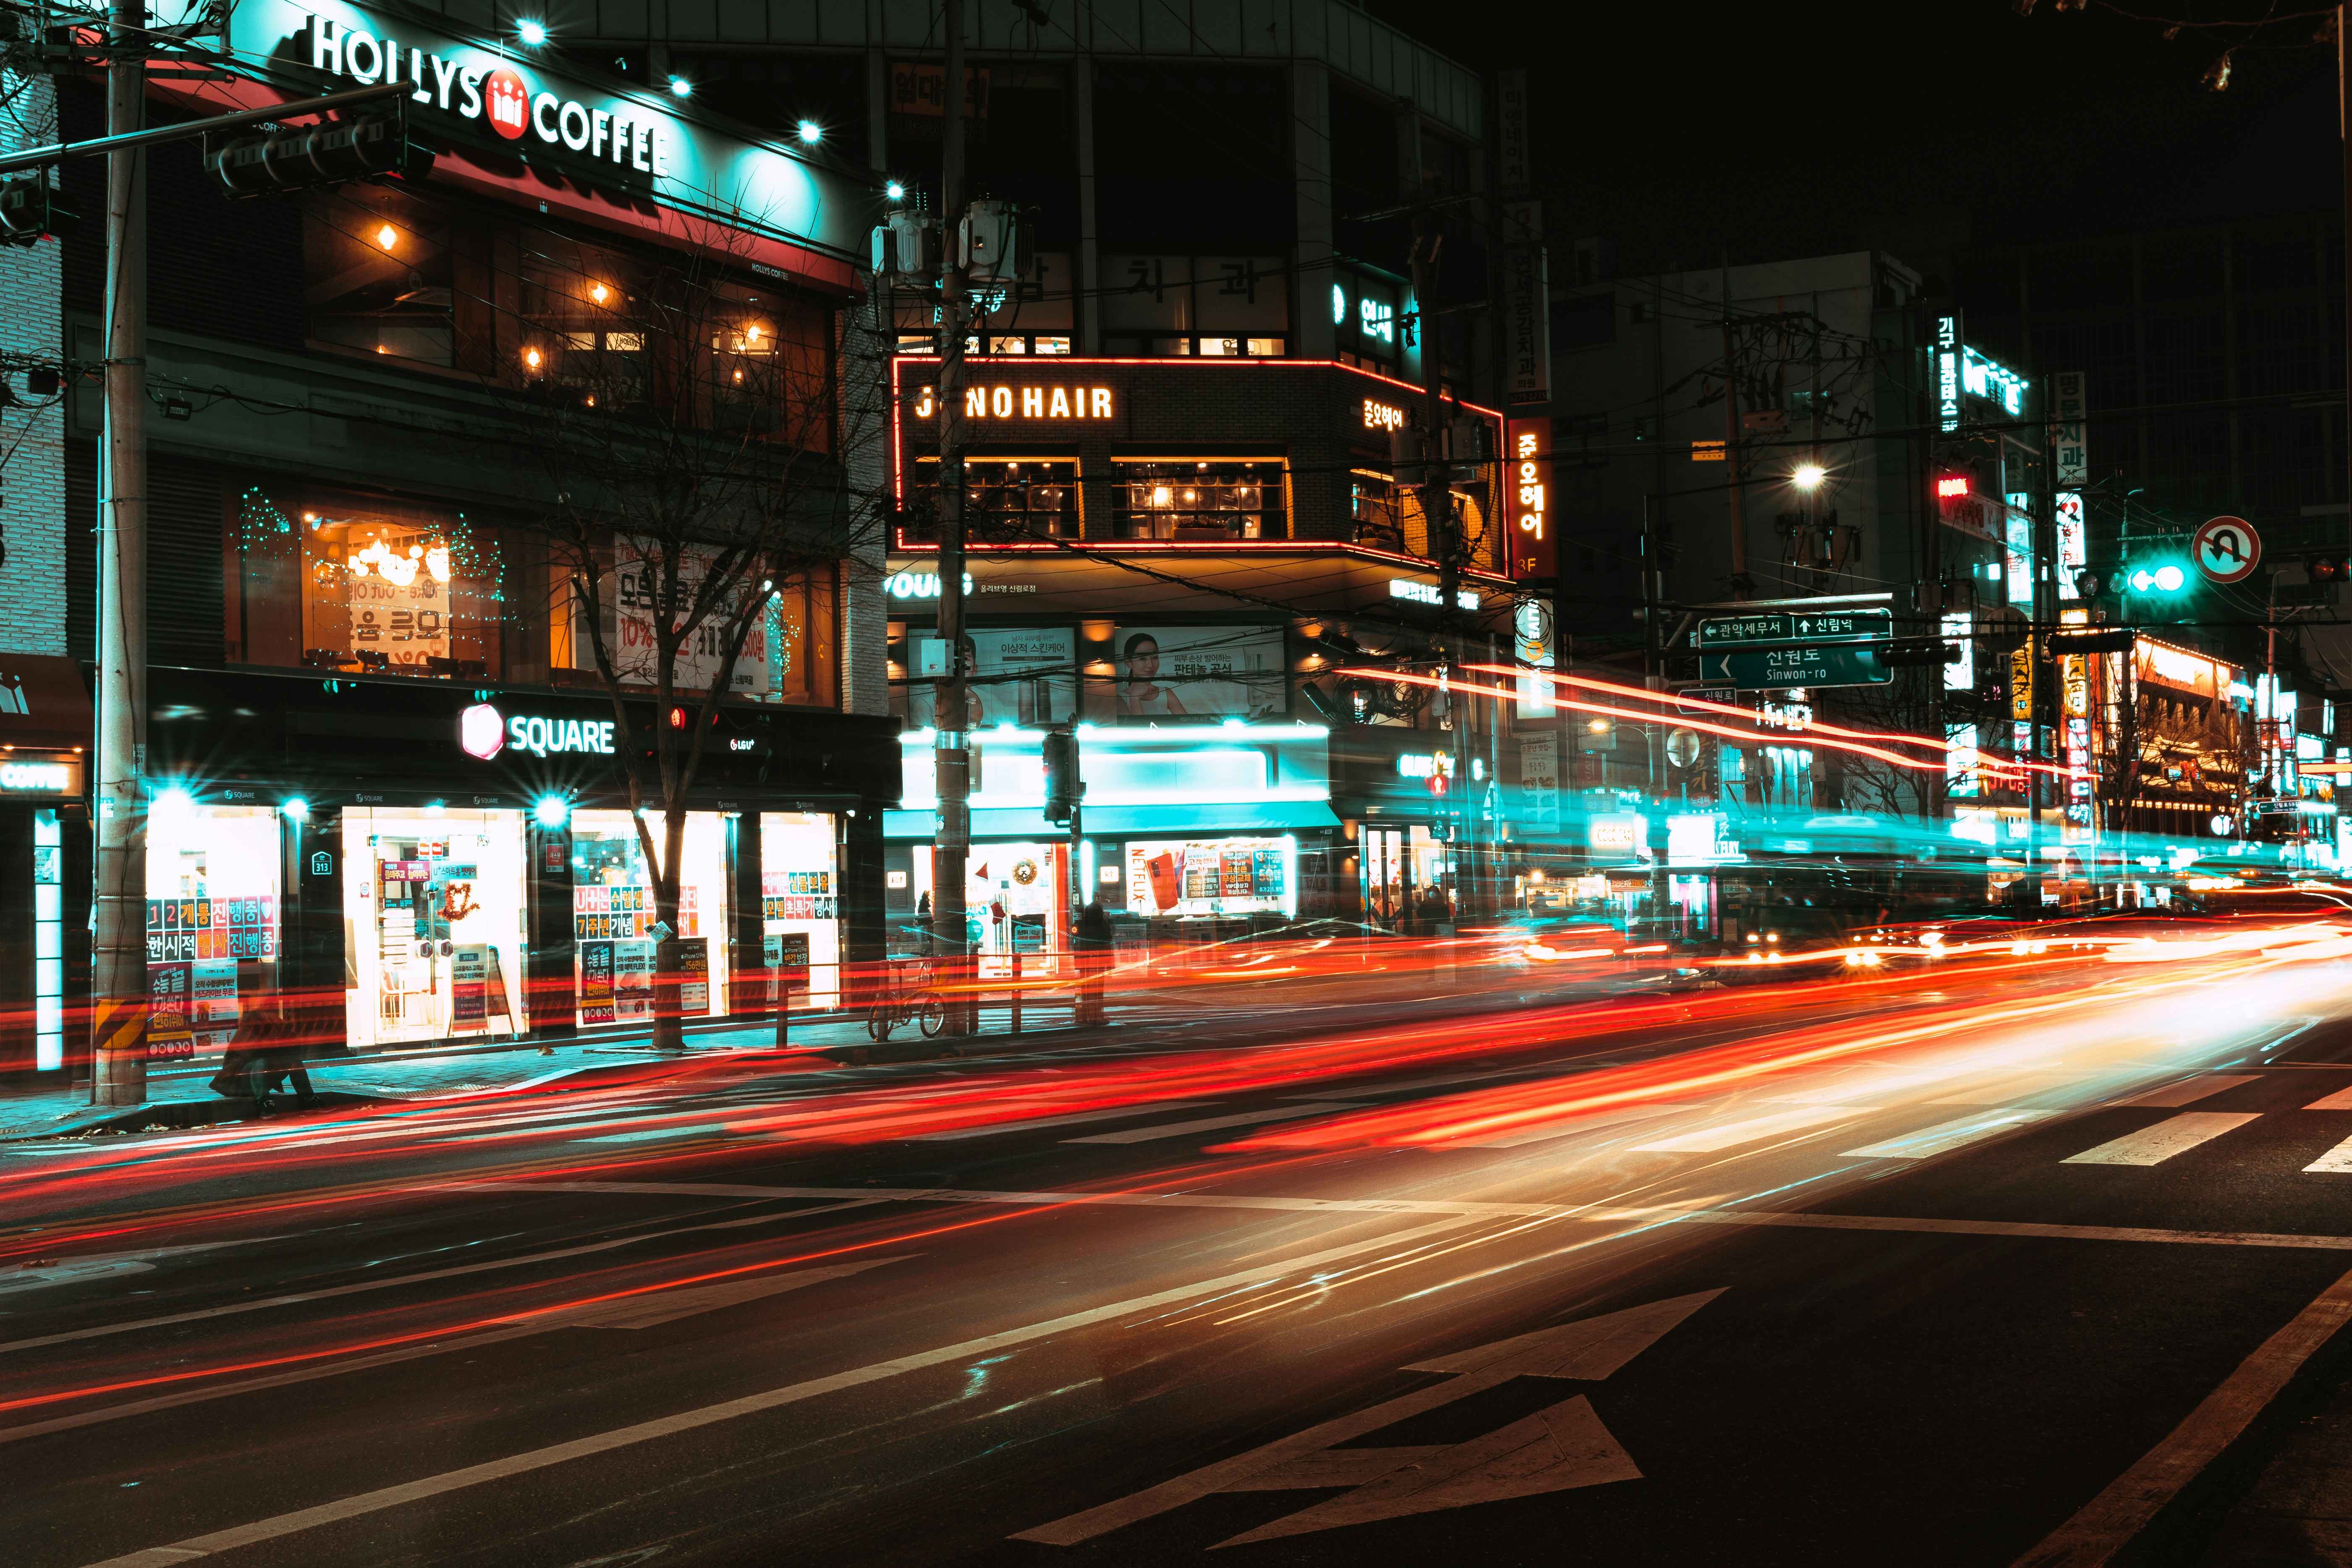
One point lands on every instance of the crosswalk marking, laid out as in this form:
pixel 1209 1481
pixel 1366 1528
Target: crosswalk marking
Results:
pixel 2336 1161
pixel 1946 1136
pixel 1212 1123
pixel 2006 1090
pixel 1728 1135
pixel 2189 1091
pixel 2340 1100
pixel 2173 1135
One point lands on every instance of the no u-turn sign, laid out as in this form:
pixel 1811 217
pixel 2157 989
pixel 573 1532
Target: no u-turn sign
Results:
pixel 2227 550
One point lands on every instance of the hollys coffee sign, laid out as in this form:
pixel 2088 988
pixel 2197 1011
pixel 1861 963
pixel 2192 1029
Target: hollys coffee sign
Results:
pixel 501 95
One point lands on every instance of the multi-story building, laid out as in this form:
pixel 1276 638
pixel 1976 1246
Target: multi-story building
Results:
pixel 380 761
pixel 1187 512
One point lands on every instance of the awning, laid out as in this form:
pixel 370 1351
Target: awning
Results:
pixel 43 702
pixel 1240 817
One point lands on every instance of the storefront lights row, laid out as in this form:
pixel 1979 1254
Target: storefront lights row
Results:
pixel 436 921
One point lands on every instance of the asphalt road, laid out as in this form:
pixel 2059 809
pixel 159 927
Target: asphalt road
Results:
pixel 1969 1265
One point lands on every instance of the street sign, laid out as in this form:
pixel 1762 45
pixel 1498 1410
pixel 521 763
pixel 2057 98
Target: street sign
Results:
pixel 1773 668
pixel 1765 630
pixel 2227 550
pixel 1688 700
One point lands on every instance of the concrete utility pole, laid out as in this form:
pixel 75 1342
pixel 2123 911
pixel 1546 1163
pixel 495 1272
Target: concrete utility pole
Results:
pixel 1436 481
pixel 951 756
pixel 119 906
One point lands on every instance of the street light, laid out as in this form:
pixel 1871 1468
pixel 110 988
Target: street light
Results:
pixel 1809 476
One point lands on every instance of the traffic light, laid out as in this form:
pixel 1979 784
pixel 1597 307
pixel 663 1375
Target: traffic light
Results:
pixel 30 209
pixel 366 145
pixel 2096 582
pixel 2157 577
pixel 2329 566
pixel 1064 788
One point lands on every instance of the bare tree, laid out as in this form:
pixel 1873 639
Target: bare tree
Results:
pixel 702 466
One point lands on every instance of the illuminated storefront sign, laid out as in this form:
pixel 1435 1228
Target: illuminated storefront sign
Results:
pixel 624 135
pixel 1531 497
pixel 1003 402
pixel 917 584
pixel 1378 416
pixel 484 732
pixel 2175 667
pixel 1947 372
pixel 1993 381
pixel 58 777
pixel 1428 594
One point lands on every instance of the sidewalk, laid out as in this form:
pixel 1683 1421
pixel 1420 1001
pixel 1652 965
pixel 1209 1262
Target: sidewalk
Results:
pixel 178 1095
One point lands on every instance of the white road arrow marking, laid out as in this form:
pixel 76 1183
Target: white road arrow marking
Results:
pixel 1552 1450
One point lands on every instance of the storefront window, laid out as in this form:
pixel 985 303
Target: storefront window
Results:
pixel 435 903
pixel 800 897
pixel 612 918
pixel 1212 877
pixel 1199 500
pixel 211 916
pixel 787 656
pixel 1004 498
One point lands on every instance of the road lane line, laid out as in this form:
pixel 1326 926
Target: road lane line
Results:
pixel 1213 1123
pixel 1728 1135
pixel 2337 1161
pixel 1072 1120
pixel 1946 1136
pixel 2173 1135
pixel 1551 1132
pixel 2189 1091
pixel 1796 1219
pixel 2109 1522
pixel 365 1503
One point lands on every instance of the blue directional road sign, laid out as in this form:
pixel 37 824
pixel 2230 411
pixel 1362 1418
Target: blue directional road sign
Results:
pixel 1769 627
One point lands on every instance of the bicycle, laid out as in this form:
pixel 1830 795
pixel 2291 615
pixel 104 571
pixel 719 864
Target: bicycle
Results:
pixel 909 1000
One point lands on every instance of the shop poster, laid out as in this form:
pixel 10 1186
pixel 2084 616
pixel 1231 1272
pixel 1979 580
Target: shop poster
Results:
pixel 1022 675
pixel 1197 673
pixel 694 977
pixel 596 998
pixel 1232 876
pixel 631 600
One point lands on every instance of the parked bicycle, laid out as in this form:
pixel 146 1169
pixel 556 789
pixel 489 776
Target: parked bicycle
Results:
pixel 909 999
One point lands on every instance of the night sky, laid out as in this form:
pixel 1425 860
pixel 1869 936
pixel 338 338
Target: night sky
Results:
pixel 1684 131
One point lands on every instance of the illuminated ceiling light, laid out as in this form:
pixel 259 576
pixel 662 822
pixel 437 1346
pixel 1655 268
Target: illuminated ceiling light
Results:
pixel 896 191
pixel 811 132
pixel 752 334
pixel 1809 476
pixel 387 236
pixel 680 87
pixel 531 359
pixel 599 294
pixel 530 34
pixel 296 808
pixel 552 811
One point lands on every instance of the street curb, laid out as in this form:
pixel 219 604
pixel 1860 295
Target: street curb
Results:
pixel 179 1115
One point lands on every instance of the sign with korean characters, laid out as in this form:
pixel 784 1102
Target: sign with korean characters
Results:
pixel 2070 461
pixel 1764 629
pixel 1773 668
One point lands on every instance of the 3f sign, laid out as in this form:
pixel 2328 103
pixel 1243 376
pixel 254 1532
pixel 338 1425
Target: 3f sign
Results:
pixel 1531 500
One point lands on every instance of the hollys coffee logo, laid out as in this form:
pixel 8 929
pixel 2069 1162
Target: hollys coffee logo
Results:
pixel 473 85
pixel 506 104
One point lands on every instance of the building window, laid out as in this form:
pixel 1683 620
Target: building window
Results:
pixel 1199 500
pixel 613 919
pixel 1005 498
pixel 379 276
pixel 387 590
pixel 1190 345
pixel 1373 505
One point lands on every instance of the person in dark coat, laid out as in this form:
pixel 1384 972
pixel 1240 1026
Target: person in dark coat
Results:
pixel 269 1048
pixel 1092 940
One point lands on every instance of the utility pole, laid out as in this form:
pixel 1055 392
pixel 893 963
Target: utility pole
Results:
pixel 1437 482
pixel 951 755
pixel 2043 611
pixel 1736 495
pixel 119 906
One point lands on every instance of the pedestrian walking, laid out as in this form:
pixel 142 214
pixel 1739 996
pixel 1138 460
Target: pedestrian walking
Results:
pixel 1092 940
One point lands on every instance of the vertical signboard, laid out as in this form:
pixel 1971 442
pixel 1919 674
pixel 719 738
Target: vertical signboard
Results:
pixel 1540 778
pixel 2074 689
pixel 1513 171
pixel 1534 556
pixel 1527 303
pixel 2072 541
pixel 2070 464
pixel 1531 645
pixel 1946 357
